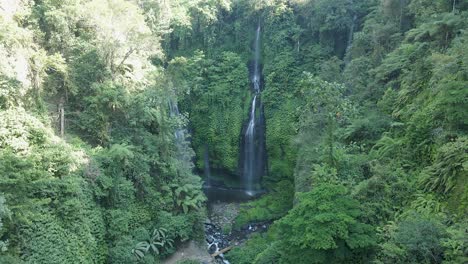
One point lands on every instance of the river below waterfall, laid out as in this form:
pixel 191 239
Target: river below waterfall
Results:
pixel 219 231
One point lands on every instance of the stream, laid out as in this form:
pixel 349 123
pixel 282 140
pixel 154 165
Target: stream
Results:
pixel 219 233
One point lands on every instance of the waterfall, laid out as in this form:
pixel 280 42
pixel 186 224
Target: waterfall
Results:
pixel 206 160
pixel 174 113
pixel 181 136
pixel 254 146
pixel 350 41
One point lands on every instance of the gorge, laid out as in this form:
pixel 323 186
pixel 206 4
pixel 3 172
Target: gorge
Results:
pixel 241 132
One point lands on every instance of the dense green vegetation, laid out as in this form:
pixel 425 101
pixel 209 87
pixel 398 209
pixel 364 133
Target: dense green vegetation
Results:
pixel 377 130
pixel 366 128
pixel 113 189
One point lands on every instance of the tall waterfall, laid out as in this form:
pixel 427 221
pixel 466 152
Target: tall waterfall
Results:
pixel 253 159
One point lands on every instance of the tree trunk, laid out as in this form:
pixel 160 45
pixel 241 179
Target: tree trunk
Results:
pixel 221 251
pixel 62 117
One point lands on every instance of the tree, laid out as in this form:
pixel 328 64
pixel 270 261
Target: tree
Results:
pixel 416 239
pixel 4 213
pixel 325 109
pixel 123 38
pixel 324 227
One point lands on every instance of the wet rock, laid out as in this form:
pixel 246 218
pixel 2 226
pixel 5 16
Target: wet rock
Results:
pixel 212 249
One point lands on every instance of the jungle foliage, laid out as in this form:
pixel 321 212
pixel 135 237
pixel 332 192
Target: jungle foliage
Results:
pixel 366 128
pixel 88 157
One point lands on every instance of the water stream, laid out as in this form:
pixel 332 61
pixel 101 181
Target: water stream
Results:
pixel 253 159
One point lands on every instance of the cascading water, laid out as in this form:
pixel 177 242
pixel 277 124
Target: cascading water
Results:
pixel 181 136
pixel 174 112
pixel 254 146
pixel 250 149
pixel 350 40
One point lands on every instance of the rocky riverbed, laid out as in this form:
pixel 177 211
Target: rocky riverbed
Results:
pixel 219 230
pixel 219 235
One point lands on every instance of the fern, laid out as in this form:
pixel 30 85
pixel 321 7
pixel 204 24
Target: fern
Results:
pixel 188 197
pixel 387 147
pixel 450 165
pixel 158 242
